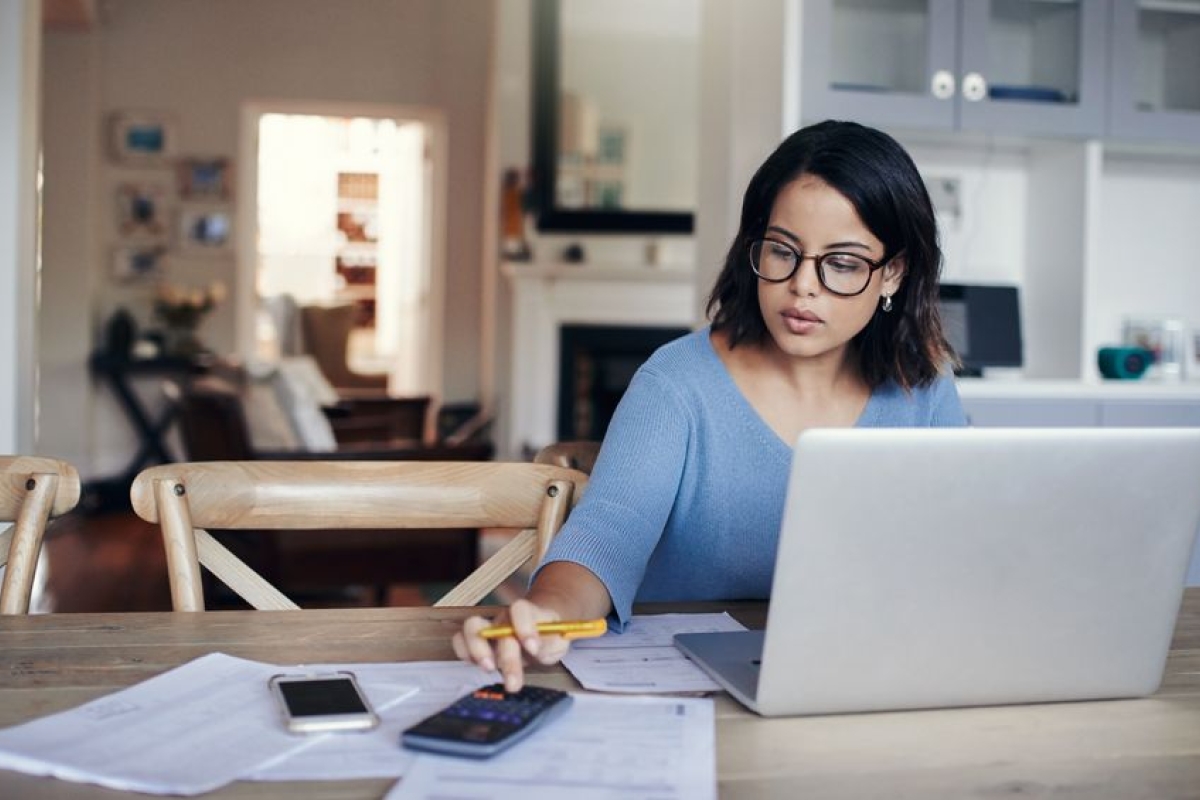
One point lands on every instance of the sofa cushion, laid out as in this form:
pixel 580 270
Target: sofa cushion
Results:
pixel 299 396
pixel 269 422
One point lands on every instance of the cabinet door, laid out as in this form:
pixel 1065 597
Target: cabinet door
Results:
pixel 1033 67
pixel 877 62
pixel 1154 89
pixel 1029 412
pixel 1150 413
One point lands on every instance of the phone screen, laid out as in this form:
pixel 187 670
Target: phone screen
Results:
pixel 321 697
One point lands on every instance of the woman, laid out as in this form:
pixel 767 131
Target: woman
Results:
pixel 824 315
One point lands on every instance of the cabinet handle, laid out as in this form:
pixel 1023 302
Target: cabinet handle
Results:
pixel 942 84
pixel 974 87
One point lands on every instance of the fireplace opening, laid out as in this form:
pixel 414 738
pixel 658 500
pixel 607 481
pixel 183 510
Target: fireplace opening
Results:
pixel 596 364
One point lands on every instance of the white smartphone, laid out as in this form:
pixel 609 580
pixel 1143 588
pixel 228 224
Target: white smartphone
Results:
pixel 315 703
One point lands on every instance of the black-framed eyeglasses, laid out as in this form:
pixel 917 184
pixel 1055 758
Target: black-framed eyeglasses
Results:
pixel 845 274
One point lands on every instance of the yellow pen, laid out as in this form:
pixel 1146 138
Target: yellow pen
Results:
pixel 568 629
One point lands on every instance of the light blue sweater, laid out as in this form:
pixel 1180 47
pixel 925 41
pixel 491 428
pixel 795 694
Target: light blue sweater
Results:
pixel 686 497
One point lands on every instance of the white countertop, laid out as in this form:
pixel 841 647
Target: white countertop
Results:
pixel 1140 389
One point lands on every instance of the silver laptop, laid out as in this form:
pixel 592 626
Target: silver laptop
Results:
pixel 923 568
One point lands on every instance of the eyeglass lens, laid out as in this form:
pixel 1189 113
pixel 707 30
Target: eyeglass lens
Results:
pixel 840 273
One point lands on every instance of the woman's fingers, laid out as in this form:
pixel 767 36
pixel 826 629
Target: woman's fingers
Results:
pixel 510 660
pixel 470 646
pixel 524 617
pixel 507 654
pixel 552 649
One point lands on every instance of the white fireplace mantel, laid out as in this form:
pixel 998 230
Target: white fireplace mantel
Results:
pixel 546 296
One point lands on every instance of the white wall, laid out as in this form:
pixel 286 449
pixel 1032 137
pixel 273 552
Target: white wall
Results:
pixel 70 276
pixel 1147 263
pixel 20 21
pixel 200 60
pixel 985 242
pixel 742 119
pixel 510 116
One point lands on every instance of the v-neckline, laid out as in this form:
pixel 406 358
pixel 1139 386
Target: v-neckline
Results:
pixel 748 409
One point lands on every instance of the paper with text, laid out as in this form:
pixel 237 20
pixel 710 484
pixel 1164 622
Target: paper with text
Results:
pixel 187 731
pixel 603 748
pixel 644 659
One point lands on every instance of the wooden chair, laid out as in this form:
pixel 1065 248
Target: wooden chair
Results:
pixel 32 491
pixel 186 499
pixel 580 455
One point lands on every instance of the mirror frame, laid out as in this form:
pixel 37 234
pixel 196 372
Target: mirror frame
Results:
pixel 551 218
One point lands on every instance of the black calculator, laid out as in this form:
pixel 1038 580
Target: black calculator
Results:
pixel 486 721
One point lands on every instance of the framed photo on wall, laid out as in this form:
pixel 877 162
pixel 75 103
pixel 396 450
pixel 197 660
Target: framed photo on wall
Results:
pixel 142 210
pixel 205 229
pixel 142 138
pixel 204 178
pixel 138 262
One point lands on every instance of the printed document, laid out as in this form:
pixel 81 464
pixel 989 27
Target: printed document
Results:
pixel 603 748
pixel 643 659
pixel 187 731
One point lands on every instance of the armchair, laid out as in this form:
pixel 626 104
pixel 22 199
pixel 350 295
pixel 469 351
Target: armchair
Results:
pixel 326 334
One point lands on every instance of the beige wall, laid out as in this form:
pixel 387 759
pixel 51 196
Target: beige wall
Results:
pixel 19 50
pixel 200 60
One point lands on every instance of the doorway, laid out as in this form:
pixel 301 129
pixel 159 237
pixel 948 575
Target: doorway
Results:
pixel 344 209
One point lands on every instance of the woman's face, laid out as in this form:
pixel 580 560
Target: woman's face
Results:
pixel 805 319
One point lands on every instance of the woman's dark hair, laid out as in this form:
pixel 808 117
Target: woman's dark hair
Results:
pixel 872 171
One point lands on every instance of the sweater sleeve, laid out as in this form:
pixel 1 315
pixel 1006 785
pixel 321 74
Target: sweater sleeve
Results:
pixel 616 526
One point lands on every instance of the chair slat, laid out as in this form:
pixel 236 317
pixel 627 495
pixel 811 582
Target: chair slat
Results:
pixel 239 577
pixel 490 574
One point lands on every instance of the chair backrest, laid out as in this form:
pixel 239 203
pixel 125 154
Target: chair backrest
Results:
pixel 32 491
pixel 185 499
pixel 580 455
pixel 212 422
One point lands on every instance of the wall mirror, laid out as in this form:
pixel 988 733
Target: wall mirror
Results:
pixel 616 115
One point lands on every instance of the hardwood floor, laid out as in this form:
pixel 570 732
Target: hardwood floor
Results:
pixel 115 562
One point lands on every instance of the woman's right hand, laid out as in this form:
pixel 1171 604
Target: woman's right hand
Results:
pixel 508 654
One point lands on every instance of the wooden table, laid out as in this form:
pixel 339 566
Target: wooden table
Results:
pixel 1117 749
pixel 151 427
